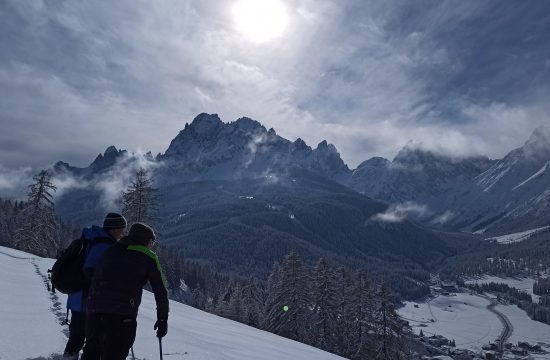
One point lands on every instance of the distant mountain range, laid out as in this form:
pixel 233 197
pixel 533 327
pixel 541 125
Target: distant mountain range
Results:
pixel 466 194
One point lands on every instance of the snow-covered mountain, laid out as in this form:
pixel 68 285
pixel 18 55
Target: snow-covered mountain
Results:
pixel 30 323
pixel 416 175
pixel 515 191
pixel 469 194
pixel 211 149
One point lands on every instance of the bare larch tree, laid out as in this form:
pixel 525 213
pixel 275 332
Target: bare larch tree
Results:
pixel 38 229
pixel 140 200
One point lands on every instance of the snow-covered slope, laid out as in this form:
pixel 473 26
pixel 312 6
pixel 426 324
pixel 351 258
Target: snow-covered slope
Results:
pixel 516 237
pixel 515 191
pixel 30 324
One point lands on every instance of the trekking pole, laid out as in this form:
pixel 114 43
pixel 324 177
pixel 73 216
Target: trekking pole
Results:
pixel 66 321
pixel 160 347
pixel 133 357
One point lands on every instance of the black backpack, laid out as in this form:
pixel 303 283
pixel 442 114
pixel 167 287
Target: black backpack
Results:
pixel 67 274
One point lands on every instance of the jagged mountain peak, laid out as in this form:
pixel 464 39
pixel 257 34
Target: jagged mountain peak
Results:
pixel 242 148
pixel 376 161
pixel 417 154
pixel 107 159
pixel 246 123
pixel 540 135
pixel 300 144
pixel 538 145
pixel 327 148
pixel 204 123
pixel 111 150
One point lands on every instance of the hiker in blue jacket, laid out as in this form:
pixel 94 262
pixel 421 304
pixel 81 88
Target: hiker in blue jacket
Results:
pixel 97 240
pixel 115 295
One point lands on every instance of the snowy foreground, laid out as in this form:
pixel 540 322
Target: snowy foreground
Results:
pixel 466 319
pixel 30 324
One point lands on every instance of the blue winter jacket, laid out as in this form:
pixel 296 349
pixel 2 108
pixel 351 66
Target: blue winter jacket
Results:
pixel 96 241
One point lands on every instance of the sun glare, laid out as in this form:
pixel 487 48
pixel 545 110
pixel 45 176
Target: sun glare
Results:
pixel 260 20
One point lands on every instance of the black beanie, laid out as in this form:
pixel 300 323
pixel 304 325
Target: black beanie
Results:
pixel 142 233
pixel 114 221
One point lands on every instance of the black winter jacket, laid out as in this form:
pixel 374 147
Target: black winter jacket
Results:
pixel 119 278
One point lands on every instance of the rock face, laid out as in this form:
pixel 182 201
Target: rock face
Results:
pixel 209 148
pixel 103 162
pixel 469 194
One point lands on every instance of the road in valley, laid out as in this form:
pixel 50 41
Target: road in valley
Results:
pixel 508 327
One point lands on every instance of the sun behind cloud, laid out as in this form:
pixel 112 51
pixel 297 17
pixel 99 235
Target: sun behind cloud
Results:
pixel 260 21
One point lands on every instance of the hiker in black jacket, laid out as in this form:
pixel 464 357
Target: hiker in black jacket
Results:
pixel 115 295
pixel 96 241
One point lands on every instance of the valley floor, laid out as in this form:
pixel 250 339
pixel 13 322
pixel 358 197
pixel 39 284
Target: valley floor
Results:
pixel 469 320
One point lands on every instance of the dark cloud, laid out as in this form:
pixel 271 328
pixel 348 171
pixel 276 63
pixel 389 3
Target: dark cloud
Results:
pixel 76 77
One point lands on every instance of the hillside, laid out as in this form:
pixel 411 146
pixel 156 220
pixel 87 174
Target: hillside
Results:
pixel 30 319
pixel 244 226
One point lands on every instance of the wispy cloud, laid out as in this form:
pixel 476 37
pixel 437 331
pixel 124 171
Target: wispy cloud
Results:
pixel 13 182
pixel 443 218
pixel 112 184
pixel 399 212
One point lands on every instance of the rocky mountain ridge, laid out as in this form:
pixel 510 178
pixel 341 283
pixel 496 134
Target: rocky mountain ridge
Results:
pixel 470 194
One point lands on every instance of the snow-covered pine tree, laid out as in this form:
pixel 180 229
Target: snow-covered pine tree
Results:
pixel 362 325
pixel 345 315
pixel 222 307
pixel 288 310
pixel 254 298
pixel 37 230
pixel 390 336
pixel 325 306
pixel 237 309
pixel 270 299
pixel 140 200
pixel 8 221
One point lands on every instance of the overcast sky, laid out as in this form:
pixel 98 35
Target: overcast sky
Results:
pixel 462 77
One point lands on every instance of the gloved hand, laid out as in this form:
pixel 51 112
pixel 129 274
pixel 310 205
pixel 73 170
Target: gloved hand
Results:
pixel 162 326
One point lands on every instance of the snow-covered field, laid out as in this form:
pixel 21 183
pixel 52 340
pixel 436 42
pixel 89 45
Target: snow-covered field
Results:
pixel 30 324
pixel 463 317
pixel 516 237
pixel 470 323
pixel 525 329
pixel 521 283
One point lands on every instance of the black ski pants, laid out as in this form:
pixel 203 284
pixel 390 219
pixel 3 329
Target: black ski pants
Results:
pixel 77 333
pixel 108 337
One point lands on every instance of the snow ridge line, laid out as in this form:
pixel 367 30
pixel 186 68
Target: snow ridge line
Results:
pixel 16 257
